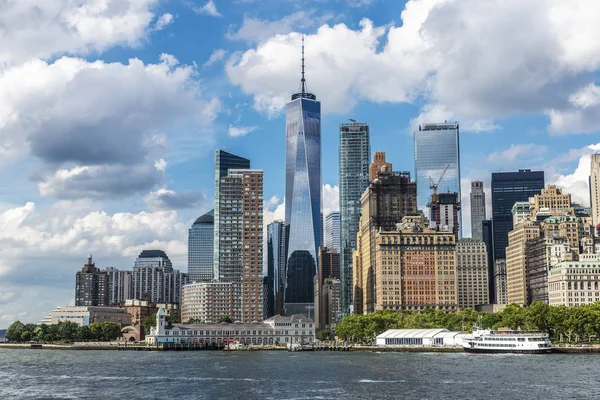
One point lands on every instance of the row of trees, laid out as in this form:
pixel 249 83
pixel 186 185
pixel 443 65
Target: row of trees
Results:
pixel 561 323
pixel 64 331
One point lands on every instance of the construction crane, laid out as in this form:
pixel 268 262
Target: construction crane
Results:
pixel 435 185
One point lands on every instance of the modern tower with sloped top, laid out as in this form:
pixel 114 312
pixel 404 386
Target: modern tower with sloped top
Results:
pixel 303 201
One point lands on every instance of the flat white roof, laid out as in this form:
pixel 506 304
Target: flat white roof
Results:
pixel 412 333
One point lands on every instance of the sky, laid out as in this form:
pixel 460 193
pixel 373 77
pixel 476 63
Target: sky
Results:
pixel 110 110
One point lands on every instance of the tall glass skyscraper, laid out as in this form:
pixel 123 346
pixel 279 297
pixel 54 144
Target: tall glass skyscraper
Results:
pixel 224 161
pixel 437 147
pixel 354 155
pixel 302 198
pixel 276 242
pixel 507 189
pixel 200 248
pixel 332 231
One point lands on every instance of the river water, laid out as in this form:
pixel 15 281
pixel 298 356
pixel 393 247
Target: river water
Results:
pixel 60 374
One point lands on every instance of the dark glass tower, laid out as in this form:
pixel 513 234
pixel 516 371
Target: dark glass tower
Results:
pixel 276 242
pixel 224 161
pixel 354 179
pixel 200 248
pixel 487 233
pixel 302 198
pixel 507 189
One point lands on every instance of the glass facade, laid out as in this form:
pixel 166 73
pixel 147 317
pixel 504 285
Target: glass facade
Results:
pixel 354 156
pixel 224 161
pixel 276 242
pixel 302 200
pixel 332 231
pixel 507 189
pixel 200 249
pixel 437 146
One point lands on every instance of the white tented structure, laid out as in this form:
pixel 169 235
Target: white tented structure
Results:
pixel 420 337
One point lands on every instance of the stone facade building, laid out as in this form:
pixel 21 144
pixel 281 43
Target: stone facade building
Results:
pixel 472 273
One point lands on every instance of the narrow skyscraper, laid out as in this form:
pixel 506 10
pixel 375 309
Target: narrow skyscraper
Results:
pixel 332 230
pixel 595 190
pixel 302 198
pixel 354 179
pixel 276 242
pixel 477 209
pixel 224 161
pixel 437 161
pixel 200 248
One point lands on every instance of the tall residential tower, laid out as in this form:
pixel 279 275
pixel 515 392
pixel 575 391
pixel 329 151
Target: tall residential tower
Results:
pixel 303 202
pixel 354 179
pixel 595 190
pixel 477 209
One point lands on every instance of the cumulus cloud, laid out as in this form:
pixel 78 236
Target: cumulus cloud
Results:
pixel 209 8
pixel 474 60
pixel 34 29
pixel 164 199
pixel 237 131
pixel 331 199
pixel 60 236
pixel 100 116
pixel 217 55
pixel 163 21
pixel 516 152
pixel 254 30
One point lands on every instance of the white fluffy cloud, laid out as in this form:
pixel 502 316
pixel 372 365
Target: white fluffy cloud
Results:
pixel 217 55
pixel 40 250
pixel 473 60
pixel 237 131
pixel 163 21
pixel 210 8
pixel 42 29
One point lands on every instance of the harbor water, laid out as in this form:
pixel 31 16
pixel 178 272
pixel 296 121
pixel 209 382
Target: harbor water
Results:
pixel 93 374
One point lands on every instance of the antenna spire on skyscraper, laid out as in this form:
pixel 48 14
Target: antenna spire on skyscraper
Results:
pixel 303 80
pixel 303 93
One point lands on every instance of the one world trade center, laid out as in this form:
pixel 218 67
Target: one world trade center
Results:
pixel 302 198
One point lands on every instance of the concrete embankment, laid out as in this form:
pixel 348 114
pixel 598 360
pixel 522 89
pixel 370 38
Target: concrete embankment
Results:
pixel 74 346
pixel 415 349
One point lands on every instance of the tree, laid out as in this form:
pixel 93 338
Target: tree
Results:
pixel 226 319
pixel 26 336
pixel 84 333
pixel 96 330
pixel 324 335
pixel 149 322
pixel 14 331
pixel 110 331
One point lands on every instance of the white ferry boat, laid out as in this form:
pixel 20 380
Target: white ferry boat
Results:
pixel 488 341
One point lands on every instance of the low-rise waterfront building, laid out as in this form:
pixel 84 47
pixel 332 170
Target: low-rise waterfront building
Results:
pixel 85 315
pixel 420 337
pixel 275 330
pixel 142 309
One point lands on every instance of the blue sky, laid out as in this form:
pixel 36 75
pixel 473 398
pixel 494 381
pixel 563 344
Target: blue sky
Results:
pixel 110 110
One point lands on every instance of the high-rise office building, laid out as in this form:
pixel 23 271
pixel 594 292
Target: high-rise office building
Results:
pixel 488 239
pixel 472 273
pixel 329 267
pixel 378 163
pixel 595 190
pixel 276 254
pixel 332 230
pixel 224 161
pixel 119 286
pixel 241 240
pixel 354 154
pixel 91 286
pixel 507 189
pixel 477 209
pixel 200 248
pixel 444 211
pixel 390 197
pixel 437 153
pixel 303 202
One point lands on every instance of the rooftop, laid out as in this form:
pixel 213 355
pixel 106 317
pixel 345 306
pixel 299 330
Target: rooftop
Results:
pixel 206 219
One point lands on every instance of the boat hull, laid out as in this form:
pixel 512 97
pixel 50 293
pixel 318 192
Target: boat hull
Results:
pixel 508 351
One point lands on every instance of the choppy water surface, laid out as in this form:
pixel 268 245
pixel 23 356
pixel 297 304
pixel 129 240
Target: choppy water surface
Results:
pixel 45 374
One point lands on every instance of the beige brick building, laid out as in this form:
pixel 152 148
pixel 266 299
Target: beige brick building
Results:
pixel 471 273
pixel 516 281
pixel 575 283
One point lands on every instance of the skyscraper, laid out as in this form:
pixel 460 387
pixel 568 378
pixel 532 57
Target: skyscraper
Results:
pixel 224 161
pixel 477 209
pixel 488 239
pixel 201 248
pixel 354 179
pixel 437 150
pixel 595 190
pixel 329 267
pixel 302 198
pixel 241 240
pixel 507 189
pixel 332 230
pixel 444 212
pixel 276 241
pixel 378 162
pixel 91 286
pixel 119 286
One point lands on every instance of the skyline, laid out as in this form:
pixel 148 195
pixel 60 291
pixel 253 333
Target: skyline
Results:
pixel 83 178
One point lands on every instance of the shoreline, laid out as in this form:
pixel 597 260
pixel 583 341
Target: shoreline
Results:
pixel 355 348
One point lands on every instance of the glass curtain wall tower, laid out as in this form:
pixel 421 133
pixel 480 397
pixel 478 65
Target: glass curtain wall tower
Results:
pixel 302 198
pixel 354 155
pixel 200 248
pixel 437 147
pixel 224 161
